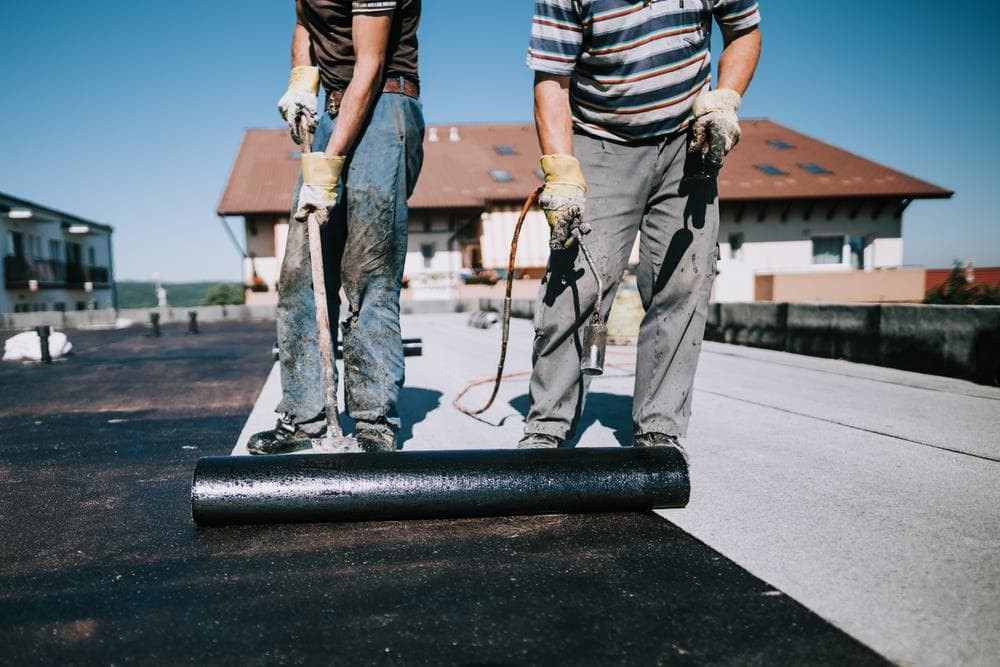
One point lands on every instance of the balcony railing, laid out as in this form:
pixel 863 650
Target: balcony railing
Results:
pixel 19 272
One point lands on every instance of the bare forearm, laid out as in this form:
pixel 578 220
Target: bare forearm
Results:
pixel 739 60
pixel 301 42
pixel 358 97
pixel 553 115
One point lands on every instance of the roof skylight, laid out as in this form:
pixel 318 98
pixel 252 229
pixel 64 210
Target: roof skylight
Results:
pixel 770 170
pixel 814 168
pixel 501 175
pixel 780 144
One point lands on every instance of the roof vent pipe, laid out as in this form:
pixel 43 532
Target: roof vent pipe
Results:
pixel 432 134
pixel 453 134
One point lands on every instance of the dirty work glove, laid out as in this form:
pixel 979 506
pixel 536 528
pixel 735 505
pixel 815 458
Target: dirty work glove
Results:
pixel 320 179
pixel 298 104
pixel 563 198
pixel 716 125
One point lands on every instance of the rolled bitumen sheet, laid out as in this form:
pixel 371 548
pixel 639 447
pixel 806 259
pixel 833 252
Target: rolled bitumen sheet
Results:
pixel 425 485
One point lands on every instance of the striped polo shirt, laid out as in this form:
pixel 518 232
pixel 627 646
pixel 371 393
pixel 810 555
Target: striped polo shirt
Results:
pixel 636 65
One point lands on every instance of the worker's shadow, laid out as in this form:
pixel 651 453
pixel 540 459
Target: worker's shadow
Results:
pixel 613 411
pixel 414 406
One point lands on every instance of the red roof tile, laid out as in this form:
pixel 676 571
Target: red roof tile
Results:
pixel 849 175
pixel 457 174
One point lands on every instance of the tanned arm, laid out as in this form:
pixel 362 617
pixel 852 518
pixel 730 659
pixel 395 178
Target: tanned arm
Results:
pixel 301 42
pixel 739 58
pixel 371 39
pixel 553 116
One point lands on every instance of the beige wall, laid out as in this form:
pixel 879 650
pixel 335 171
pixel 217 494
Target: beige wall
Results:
pixel 882 285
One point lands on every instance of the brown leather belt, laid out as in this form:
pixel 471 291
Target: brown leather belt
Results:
pixel 396 84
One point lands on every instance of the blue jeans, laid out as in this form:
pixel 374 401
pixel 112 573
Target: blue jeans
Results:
pixel 364 248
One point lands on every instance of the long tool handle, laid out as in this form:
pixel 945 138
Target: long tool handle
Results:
pixel 323 322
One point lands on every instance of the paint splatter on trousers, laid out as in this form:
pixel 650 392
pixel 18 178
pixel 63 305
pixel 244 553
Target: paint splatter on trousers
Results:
pixel 364 249
pixel 632 189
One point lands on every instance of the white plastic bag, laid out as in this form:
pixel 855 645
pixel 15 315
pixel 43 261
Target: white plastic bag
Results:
pixel 27 346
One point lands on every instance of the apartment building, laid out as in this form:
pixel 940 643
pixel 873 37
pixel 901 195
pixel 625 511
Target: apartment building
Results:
pixel 52 260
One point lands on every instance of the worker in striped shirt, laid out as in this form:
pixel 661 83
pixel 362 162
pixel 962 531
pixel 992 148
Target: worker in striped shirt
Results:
pixel 632 135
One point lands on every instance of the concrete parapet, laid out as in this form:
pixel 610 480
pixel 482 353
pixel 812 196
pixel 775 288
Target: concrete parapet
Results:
pixel 72 319
pixel 959 341
pixel 751 324
pixel 521 308
pixel 206 314
pixel 835 331
pixel 432 306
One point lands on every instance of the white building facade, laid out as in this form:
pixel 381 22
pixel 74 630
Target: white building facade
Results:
pixel 792 208
pixel 53 261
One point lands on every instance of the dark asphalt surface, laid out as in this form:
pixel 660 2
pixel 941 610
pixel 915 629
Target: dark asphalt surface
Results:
pixel 101 564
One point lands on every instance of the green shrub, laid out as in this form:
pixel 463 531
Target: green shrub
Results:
pixel 958 291
pixel 223 294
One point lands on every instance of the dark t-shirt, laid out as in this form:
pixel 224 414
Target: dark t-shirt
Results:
pixel 329 26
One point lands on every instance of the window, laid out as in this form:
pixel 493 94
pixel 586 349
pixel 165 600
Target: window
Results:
pixel 505 149
pixel 91 256
pixel 828 249
pixel 814 168
pixel 501 176
pixel 294 155
pixel 55 250
pixel 735 245
pixel 779 144
pixel 540 174
pixel 770 170
pixel 857 244
pixel 427 250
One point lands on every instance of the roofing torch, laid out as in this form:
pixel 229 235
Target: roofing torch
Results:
pixel 595 335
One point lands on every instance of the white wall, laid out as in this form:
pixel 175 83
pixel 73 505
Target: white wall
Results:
pixel 774 245
pixel 770 245
pixel 37 232
pixel 498 230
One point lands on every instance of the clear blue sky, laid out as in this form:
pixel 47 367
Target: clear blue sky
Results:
pixel 131 112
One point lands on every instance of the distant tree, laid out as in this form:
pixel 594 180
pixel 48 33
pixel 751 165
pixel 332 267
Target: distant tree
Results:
pixel 956 290
pixel 223 294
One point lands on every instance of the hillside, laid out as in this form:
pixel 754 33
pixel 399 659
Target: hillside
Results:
pixel 142 294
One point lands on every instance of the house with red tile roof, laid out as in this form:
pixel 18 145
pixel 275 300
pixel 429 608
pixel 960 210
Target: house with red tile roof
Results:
pixel 800 219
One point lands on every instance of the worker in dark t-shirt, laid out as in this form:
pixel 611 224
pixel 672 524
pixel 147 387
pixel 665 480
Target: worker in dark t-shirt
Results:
pixel 360 170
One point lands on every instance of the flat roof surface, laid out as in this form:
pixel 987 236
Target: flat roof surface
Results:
pixel 839 513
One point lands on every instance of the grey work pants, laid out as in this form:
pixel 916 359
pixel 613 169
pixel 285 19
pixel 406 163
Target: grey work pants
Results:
pixel 631 189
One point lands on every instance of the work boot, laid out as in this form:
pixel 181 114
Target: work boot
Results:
pixel 375 437
pixel 539 441
pixel 284 438
pixel 660 440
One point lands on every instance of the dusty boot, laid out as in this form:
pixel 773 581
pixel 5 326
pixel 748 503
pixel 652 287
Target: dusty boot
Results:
pixel 284 438
pixel 539 441
pixel 375 437
pixel 660 440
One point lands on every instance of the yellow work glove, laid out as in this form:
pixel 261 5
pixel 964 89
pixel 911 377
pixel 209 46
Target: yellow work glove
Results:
pixel 298 104
pixel 563 198
pixel 716 126
pixel 320 182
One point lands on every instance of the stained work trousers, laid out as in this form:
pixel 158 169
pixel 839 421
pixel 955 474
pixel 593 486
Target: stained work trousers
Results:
pixel 632 189
pixel 364 249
